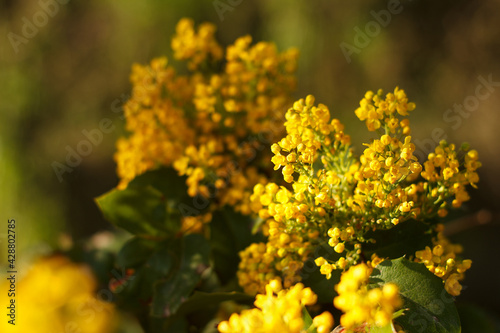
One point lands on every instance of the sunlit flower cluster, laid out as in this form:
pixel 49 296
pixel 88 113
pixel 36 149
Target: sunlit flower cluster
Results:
pixel 278 310
pixel 442 260
pixel 283 256
pixel 213 123
pixel 383 113
pixel 335 198
pixel 447 179
pixel 363 306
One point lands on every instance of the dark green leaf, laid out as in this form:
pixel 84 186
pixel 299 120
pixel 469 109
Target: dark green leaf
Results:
pixel 141 211
pixel 230 232
pixel 202 300
pixel 404 239
pixel 321 286
pixel 178 203
pixel 149 269
pixel 169 294
pixel 135 252
pixel 241 228
pixel 430 308
pixel 164 258
pixel 161 325
pixel 165 180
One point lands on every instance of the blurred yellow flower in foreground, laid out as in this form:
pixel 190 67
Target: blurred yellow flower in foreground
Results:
pixel 57 296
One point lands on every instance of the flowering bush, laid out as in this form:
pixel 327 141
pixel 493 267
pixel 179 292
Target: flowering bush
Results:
pixel 236 195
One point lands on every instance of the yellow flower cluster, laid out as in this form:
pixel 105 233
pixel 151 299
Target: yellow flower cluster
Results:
pixel 378 112
pixel 309 131
pixel 385 164
pixel 363 306
pixel 336 198
pixel 194 46
pixel 278 310
pixel 301 213
pixel 396 170
pixel 212 123
pixel 57 295
pixel 445 179
pixel 443 262
pixel 283 256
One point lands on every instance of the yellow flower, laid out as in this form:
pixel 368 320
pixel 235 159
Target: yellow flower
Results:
pixel 277 310
pixel 362 305
pixel 443 262
pixel 323 322
pixel 56 295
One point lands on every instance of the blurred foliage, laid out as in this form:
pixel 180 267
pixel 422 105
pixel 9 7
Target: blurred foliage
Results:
pixel 74 72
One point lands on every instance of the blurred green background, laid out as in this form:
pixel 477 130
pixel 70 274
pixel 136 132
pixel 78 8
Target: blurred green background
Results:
pixel 71 71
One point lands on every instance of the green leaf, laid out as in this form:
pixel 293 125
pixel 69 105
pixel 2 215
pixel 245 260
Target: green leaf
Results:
pixel 230 232
pixel 308 321
pixel 141 211
pixel 430 308
pixel 398 313
pixel 368 329
pixel 202 300
pixel 165 180
pixel 386 329
pixel 170 293
pixel 149 204
pixel 153 262
pixel 211 326
pixel 164 258
pixel 173 187
pixel 322 286
pixel 135 252
pixel 161 325
pixel 404 239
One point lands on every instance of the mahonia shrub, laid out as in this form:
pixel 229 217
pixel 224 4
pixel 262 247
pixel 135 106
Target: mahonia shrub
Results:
pixel 253 213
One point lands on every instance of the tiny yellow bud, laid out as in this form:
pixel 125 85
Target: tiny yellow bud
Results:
pixel 438 250
pixel 309 100
pixel 385 139
pixel 339 248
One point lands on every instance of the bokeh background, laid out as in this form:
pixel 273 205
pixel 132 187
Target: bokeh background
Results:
pixel 72 72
